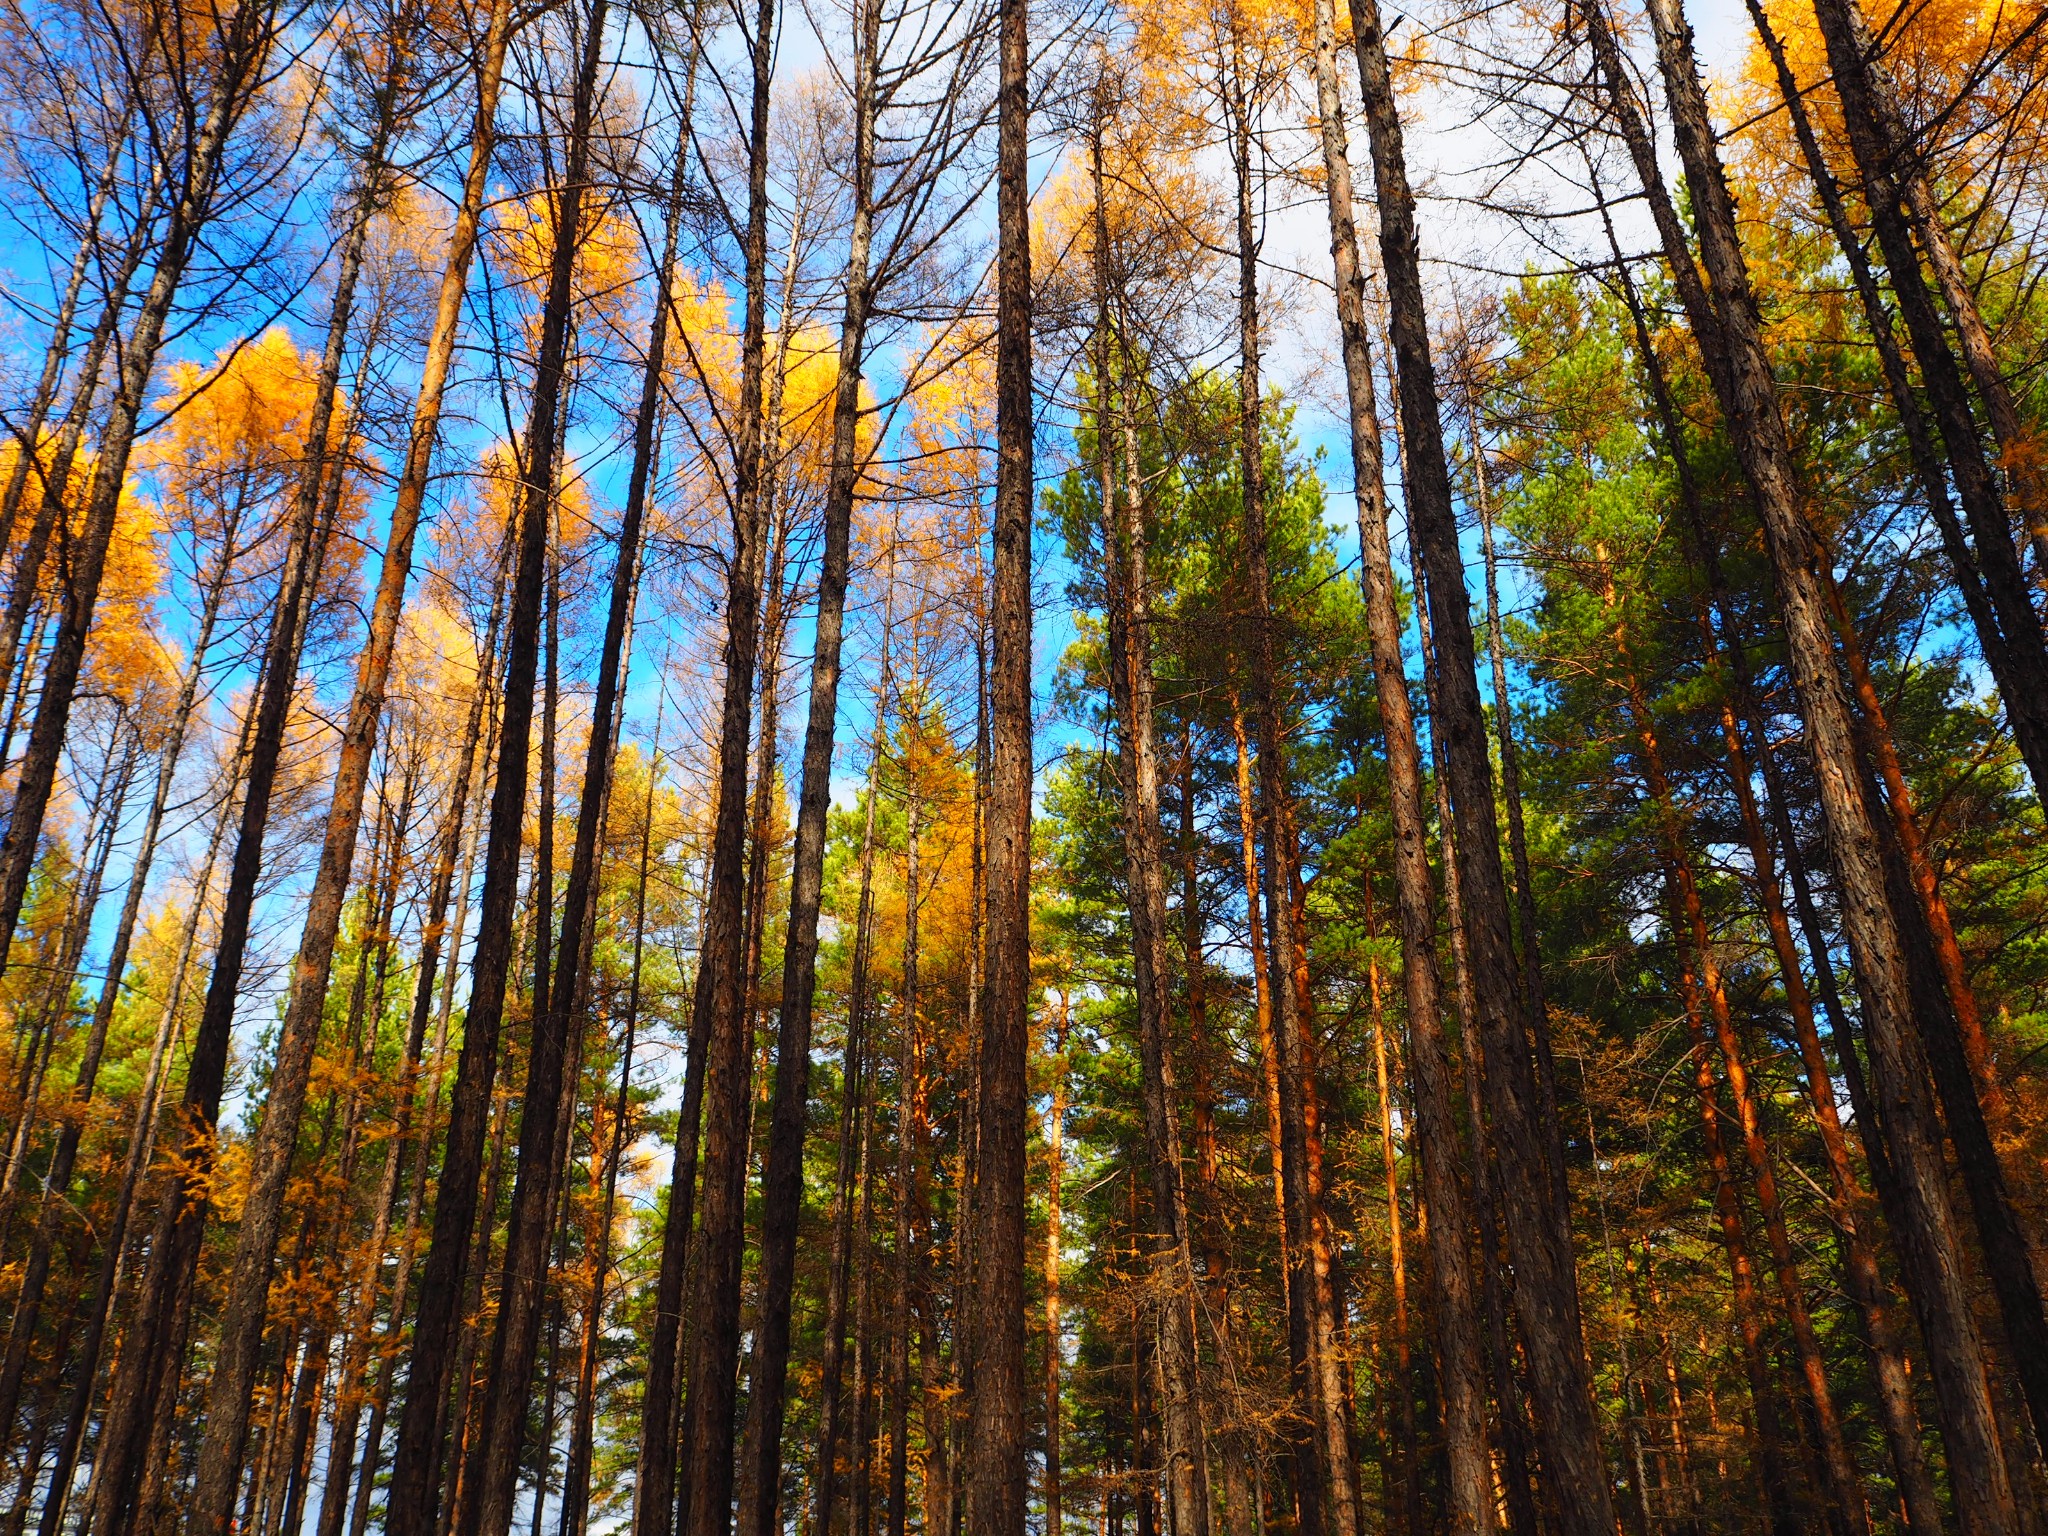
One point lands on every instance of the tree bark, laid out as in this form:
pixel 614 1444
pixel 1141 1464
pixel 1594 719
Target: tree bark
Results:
pixel 721 986
pixel 996 1487
pixel 240 50
pixel 1461 1380
pixel 782 1170
pixel 1731 339
pixel 1531 1152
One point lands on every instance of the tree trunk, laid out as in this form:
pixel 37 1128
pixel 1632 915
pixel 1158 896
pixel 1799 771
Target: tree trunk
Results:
pixel 240 48
pixel 782 1171
pixel 1730 337
pixel 415 1474
pixel 141 1145
pixel 244 1304
pixel 996 1487
pixel 854 1093
pixel 1126 604
pixel 57 1182
pixel 1469 1492
pixel 718 1007
pixel 1530 1145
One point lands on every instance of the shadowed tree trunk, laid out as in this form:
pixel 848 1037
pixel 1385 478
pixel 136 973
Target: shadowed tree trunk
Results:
pixel 996 1421
pixel 1528 1142
pixel 782 1171
pixel 1729 334
pixel 722 984
pixel 1461 1381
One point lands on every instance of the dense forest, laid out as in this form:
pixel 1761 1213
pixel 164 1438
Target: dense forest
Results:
pixel 1153 767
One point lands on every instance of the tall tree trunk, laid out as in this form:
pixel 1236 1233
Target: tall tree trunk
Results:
pixel 1697 983
pixel 146 1387
pixel 1529 1141
pixel 719 1001
pixel 1326 1491
pixel 239 52
pixel 854 1101
pixel 1127 610
pixel 1461 1380
pixel 1730 338
pixel 909 1131
pixel 782 1170
pixel 415 1473
pixel 996 1488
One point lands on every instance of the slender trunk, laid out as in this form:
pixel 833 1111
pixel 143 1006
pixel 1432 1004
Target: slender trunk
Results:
pixel 145 1394
pixel 240 47
pixel 1461 1379
pixel 853 1109
pixel 1055 1244
pixel 1403 1466
pixel 718 1007
pixel 1730 336
pixel 29 435
pixel 860 1519
pixel 1127 610
pixel 1515 1039
pixel 996 1488
pixel 415 1474
pixel 782 1171
pixel 1699 986
pixel 909 1131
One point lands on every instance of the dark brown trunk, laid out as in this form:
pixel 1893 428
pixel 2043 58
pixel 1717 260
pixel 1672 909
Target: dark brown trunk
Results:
pixel 1528 1140
pixel 416 1467
pixel 57 1182
pixel 782 1171
pixel 1469 1491
pixel 722 985
pixel 1731 339
pixel 996 1435
pixel 1055 1243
